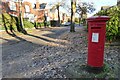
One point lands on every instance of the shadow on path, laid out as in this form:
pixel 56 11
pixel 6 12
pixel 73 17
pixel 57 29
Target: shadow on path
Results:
pixel 39 38
pixel 56 33
pixel 24 57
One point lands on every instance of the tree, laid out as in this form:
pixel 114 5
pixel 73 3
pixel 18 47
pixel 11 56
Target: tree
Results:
pixel 73 10
pixel 84 8
pixel 21 29
pixel 57 6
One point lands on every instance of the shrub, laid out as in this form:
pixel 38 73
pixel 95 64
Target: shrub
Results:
pixel 8 20
pixel 76 20
pixel 28 24
pixel 113 25
pixel 11 20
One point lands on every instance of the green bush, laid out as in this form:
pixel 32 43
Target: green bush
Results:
pixel 40 24
pixel 11 20
pixel 113 25
pixel 76 20
pixel 8 20
pixel 28 24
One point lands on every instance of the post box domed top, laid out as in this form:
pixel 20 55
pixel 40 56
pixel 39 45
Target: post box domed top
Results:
pixel 98 18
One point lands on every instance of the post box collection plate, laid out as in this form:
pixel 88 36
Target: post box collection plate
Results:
pixel 95 37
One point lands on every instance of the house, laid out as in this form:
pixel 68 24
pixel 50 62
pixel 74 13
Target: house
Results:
pixel 33 14
pixel 118 2
pixel 105 7
pixel 26 9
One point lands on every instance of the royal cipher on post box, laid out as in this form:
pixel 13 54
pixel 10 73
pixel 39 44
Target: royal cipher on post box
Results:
pixel 96 40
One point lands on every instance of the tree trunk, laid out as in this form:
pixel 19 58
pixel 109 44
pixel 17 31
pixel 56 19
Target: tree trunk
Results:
pixel 72 26
pixel 79 20
pixel 3 20
pixel 17 24
pixel 58 15
pixel 82 17
pixel 21 29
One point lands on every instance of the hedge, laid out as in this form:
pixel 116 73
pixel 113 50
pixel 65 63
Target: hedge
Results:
pixel 113 25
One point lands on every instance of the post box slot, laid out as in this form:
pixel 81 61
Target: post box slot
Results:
pixel 95 27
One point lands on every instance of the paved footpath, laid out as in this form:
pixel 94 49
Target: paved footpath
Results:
pixel 50 53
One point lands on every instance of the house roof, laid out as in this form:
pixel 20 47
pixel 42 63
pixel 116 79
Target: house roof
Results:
pixel 105 7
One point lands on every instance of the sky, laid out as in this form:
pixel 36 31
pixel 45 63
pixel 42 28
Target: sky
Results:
pixel 97 3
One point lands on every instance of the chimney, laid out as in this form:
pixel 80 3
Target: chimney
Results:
pixel 37 4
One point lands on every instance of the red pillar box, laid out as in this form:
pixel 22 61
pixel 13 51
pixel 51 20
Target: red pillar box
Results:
pixel 96 40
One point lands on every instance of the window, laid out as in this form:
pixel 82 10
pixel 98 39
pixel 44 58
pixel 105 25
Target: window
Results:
pixel 12 6
pixel 42 6
pixel 27 8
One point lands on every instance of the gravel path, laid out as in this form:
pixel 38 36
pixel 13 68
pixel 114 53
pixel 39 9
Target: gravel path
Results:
pixel 61 56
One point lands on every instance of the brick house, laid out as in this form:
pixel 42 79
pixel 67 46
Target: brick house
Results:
pixel 35 13
pixel 26 9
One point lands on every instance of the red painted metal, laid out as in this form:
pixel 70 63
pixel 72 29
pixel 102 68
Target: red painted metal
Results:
pixel 96 40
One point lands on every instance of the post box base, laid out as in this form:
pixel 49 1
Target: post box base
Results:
pixel 95 70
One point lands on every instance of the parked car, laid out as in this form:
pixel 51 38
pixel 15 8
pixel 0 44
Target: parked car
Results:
pixel 66 23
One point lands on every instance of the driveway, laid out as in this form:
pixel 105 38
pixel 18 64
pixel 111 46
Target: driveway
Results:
pixel 18 51
pixel 52 53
